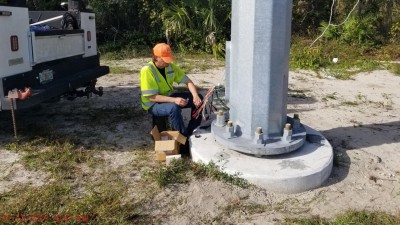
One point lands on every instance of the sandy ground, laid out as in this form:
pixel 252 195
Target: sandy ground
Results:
pixel 360 117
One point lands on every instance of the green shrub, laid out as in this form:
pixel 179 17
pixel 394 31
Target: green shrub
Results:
pixel 361 31
pixel 307 58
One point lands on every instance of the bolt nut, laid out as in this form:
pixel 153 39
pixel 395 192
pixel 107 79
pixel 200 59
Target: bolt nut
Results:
pixel 258 130
pixel 258 137
pixel 296 122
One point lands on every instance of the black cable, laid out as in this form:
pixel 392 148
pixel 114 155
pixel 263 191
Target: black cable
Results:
pixel 221 101
pixel 69 22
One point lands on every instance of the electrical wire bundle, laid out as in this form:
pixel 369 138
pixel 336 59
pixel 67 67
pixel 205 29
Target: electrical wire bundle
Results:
pixel 201 109
pixel 216 90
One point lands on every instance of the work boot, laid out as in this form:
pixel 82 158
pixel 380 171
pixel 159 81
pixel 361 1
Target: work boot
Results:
pixel 185 150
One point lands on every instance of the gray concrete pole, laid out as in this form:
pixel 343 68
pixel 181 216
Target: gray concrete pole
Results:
pixel 261 31
pixel 257 82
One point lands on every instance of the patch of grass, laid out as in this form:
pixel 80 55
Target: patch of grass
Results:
pixel 176 172
pixel 118 51
pixel 61 159
pixel 213 171
pixel 79 186
pixel 103 202
pixel 352 59
pixel 350 217
pixel 121 70
pixel 180 171
pixel 198 62
pixel 249 208
pixel 395 68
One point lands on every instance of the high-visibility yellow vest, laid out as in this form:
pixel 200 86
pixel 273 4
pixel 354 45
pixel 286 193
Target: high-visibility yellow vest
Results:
pixel 153 83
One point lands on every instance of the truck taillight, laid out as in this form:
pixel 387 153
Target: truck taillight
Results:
pixel 14 43
pixel 5 13
pixel 89 36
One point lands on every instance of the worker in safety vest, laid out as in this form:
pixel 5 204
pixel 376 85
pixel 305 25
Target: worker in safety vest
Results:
pixel 158 96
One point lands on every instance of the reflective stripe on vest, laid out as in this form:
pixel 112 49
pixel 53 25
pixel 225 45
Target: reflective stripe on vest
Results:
pixel 170 71
pixel 150 92
pixel 184 80
pixel 154 73
pixel 148 104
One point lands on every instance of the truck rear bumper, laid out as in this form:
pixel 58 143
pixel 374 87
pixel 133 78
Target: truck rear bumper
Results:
pixel 66 78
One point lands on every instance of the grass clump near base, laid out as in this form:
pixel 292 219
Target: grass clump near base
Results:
pixel 181 171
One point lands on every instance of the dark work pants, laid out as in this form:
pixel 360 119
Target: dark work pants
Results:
pixel 174 112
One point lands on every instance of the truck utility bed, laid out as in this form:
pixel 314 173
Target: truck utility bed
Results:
pixel 53 62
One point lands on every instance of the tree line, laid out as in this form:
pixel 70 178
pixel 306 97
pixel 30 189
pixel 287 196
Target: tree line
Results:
pixel 204 25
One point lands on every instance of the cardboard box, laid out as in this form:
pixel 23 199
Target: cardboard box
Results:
pixel 167 143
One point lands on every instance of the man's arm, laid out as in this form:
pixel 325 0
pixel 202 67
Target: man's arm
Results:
pixel 193 90
pixel 161 98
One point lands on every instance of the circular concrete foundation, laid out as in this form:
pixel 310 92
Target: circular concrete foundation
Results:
pixel 301 170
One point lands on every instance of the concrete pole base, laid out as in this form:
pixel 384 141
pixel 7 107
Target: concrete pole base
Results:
pixel 298 171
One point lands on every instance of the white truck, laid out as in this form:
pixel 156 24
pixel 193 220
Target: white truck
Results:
pixel 47 54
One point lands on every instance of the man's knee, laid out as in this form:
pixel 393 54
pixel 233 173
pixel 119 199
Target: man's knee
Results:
pixel 175 109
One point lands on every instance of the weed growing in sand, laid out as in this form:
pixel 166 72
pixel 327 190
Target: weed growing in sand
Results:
pixel 349 103
pixel 361 97
pixel 330 96
pixel 350 217
pixel 180 171
pixel 356 123
pixel 298 93
pixel 387 103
